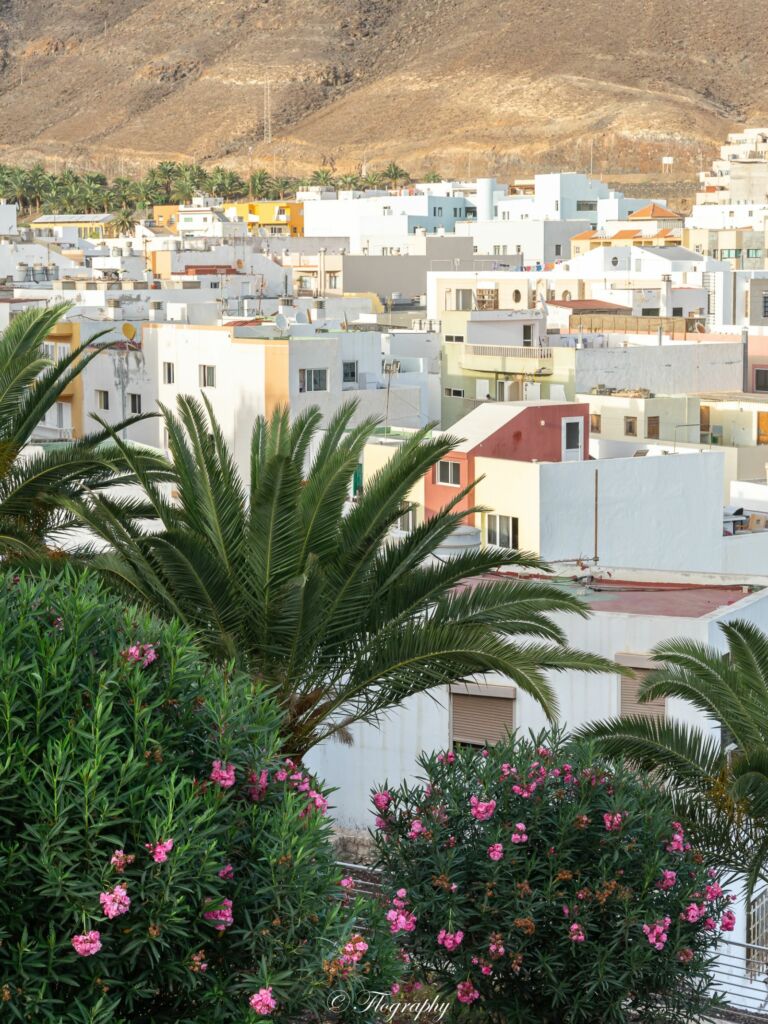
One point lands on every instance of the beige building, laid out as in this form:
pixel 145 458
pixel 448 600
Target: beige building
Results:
pixel 743 247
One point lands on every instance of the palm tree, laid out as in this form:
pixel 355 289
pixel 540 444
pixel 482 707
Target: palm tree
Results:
pixel 123 192
pixel 282 187
pixel 395 175
pixel 719 777
pixel 372 180
pixel 322 176
pixel 309 597
pixel 148 193
pixel 37 184
pixel 124 221
pixel 186 183
pixel 17 185
pixel 164 174
pixel 433 176
pixel 36 484
pixel 350 181
pixel 260 183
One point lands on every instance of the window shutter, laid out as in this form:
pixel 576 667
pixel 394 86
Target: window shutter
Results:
pixel 479 719
pixel 630 705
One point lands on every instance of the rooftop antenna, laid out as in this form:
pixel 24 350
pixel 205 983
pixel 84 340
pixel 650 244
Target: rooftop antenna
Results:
pixel 267 111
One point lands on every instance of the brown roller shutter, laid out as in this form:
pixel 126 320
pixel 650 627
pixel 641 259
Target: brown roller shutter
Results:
pixel 630 705
pixel 480 720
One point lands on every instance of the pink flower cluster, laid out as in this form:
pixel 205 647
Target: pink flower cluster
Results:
pixel 678 844
pixel 353 951
pixel 347 883
pixel 121 860
pixel 448 758
pixel 713 892
pixel 496 947
pixel 520 835
pixel 87 944
pixel 115 902
pixel 685 955
pixel 257 785
pixel 576 933
pixel 382 800
pixel 728 921
pixel 657 933
pixel 667 880
pixel 197 962
pixel 466 992
pixel 302 784
pixel 143 653
pixel 482 810
pixel 693 912
pixel 613 822
pixel 227 872
pixel 451 940
pixel 417 829
pixel 223 774
pixel 400 918
pixel 496 851
pixel 263 1002
pixel 222 914
pixel 160 850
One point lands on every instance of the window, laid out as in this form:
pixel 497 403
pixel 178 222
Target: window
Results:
pixel 572 439
pixel 730 254
pixel 313 380
pixel 630 426
pixel 454 337
pixel 652 427
pixel 62 350
pixel 501 531
pixel 169 374
pixel 651 311
pixel 517 295
pixel 102 399
pixel 754 254
pixel 765 305
pixel 761 380
pixel 595 422
pixel 135 401
pixel 558 250
pixel 757 934
pixel 487 298
pixel 453 392
pixel 557 206
pixel 49 350
pixel 629 703
pixel 349 372
pixel 333 280
pixel 464 298
pixel 527 334
pixel 586 205
pixel 479 719
pixel 677 311
pixel 207 376
pixel 407 521
pixel 499 250
pixel 449 473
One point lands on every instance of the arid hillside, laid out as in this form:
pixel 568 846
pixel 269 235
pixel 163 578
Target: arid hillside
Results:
pixel 498 86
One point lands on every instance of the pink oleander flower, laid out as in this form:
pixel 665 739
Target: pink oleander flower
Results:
pixel 257 785
pixel 144 653
pixel 677 844
pixel 223 774
pixel 658 933
pixel 353 951
pixel 160 850
pixel 576 933
pixel 417 829
pixel 197 962
pixel 483 753
pixel 685 955
pixel 544 752
pixel 496 851
pixel 728 921
pixel 88 944
pixel 566 910
pixel 116 902
pixel 466 992
pixel 667 880
pixel 347 883
pixel 382 800
pixel 149 655
pixel 394 988
pixel 710 924
pixel 120 860
pixel 451 940
pixel 519 835
pixel 222 914
pixel 612 822
pixel 401 921
pixel 482 810
pixel 447 758
pixel 262 1002
pixel 692 913
pixel 227 871
pixel 713 891
pixel 381 824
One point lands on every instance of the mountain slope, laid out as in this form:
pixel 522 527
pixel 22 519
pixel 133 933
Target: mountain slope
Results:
pixel 489 85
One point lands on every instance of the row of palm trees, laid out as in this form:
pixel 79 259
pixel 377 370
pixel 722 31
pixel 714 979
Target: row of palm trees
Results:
pixel 277 574
pixel 37 191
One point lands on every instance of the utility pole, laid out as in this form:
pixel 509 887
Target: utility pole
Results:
pixel 267 111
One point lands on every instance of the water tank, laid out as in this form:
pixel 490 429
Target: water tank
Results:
pixel 20 272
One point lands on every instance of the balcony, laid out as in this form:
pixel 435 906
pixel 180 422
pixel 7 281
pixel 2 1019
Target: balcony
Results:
pixel 527 359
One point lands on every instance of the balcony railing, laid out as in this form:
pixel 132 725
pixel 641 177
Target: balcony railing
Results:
pixel 537 352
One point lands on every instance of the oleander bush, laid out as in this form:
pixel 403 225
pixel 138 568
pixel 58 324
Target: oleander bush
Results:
pixel 535 882
pixel 157 863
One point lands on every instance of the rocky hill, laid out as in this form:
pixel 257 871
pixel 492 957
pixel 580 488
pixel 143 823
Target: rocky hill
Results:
pixel 499 86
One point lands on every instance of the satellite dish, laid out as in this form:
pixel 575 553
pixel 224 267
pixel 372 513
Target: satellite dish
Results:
pixel 301 317
pixel 129 331
pixel 281 322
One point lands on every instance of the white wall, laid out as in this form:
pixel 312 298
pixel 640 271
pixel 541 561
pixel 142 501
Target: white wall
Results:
pixel 665 370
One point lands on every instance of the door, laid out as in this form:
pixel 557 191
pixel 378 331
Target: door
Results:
pixel 704 424
pixel 573 440
pixel 762 428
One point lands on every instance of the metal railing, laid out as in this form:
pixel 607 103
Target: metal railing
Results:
pixel 510 351
pixel 740 974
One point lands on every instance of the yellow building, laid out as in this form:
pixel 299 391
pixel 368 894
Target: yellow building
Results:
pixel 63 337
pixel 166 216
pixel 269 216
pixel 86 225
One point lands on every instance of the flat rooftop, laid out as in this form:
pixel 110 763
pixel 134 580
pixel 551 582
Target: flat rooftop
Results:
pixel 633 597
